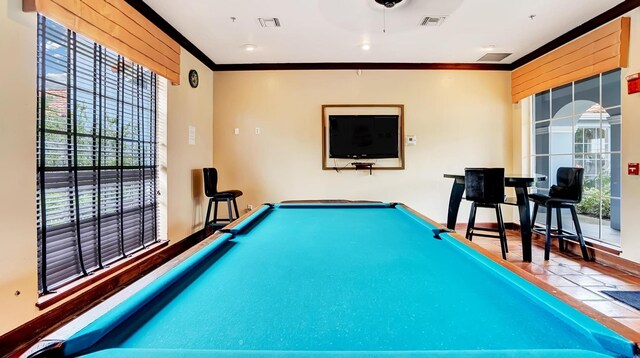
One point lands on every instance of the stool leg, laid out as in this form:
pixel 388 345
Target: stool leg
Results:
pixel 535 214
pixel 235 206
pixel 472 222
pixel 501 233
pixel 547 245
pixel 215 212
pixel 206 220
pixel 583 246
pixel 229 208
pixel 561 242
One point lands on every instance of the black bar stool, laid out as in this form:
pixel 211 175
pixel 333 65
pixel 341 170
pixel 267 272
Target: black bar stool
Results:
pixel 215 196
pixel 563 195
pixel 485 188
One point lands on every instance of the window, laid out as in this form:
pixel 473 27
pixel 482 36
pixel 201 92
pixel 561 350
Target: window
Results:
pixel 97 156
pixel 579 124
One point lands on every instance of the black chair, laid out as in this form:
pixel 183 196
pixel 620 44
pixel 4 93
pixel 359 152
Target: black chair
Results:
pixel 563 195
pixel 215 196
pixel 485 188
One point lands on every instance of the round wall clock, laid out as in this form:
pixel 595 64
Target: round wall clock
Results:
pixel 193 78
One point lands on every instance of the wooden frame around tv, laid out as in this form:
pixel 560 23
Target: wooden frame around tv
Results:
pixel 394 109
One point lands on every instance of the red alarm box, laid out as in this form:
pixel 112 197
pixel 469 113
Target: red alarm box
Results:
pixel 633 83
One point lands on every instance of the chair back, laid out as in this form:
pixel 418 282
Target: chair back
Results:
pixel 484 185
pixel 210 181
pixel 569 186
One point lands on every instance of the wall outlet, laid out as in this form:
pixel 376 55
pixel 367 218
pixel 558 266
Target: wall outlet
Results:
pixel 236 131
pixel 249 207
pixel 257 130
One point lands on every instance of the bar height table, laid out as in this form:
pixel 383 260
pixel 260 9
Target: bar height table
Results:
pixel 520 183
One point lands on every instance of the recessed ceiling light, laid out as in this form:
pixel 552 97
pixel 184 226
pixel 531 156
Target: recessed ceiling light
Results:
pixel 365 47
pixel 249 47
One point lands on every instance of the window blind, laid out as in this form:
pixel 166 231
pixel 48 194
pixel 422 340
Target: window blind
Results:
pixel 96 156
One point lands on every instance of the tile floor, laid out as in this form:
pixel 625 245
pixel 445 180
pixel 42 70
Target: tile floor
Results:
pixel 580 279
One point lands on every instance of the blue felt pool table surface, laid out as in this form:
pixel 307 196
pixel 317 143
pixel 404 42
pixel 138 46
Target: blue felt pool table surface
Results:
pixel 343 280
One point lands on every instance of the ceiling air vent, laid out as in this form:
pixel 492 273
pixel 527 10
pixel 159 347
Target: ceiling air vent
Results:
pixel 432 20
pixel 493 57
pixel 269 21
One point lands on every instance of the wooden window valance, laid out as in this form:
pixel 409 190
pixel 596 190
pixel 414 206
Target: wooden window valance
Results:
pixel 118 26
pixel 601 50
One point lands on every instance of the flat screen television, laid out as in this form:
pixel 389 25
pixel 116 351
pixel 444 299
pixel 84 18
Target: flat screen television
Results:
pixel 363 136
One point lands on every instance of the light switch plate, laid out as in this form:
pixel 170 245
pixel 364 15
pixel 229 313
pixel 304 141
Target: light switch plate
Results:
pixel 411 140
pixel 192 135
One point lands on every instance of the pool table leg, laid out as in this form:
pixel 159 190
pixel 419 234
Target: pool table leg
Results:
pixel 525 222
pixel 454 203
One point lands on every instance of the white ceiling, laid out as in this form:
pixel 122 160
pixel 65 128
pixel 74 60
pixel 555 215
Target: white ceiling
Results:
pixel 334 30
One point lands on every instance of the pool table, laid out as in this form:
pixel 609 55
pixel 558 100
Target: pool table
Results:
pixel 347 280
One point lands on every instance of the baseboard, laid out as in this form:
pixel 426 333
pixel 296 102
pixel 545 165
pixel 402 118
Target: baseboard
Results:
pixel 21 338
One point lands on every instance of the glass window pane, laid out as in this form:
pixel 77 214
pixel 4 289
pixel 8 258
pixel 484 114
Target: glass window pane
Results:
pixel 542 106
pixel 588 89
pixel 589 207
pixel 588 132
pixel 588 215
pixel 614 121
pixel 611 88
pixel 614 175
pixel 561 136
pixel 561 101
pixel 614 112
pixel 588 107
pixel 541 142
pixel 591 176
pixel 557 161
pixel 542 167
pixel 614 223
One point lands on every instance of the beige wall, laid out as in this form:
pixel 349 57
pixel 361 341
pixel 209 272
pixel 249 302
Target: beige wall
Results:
pixel 18 250
pixel 188 107
pixel 630 204
pixel 460 118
